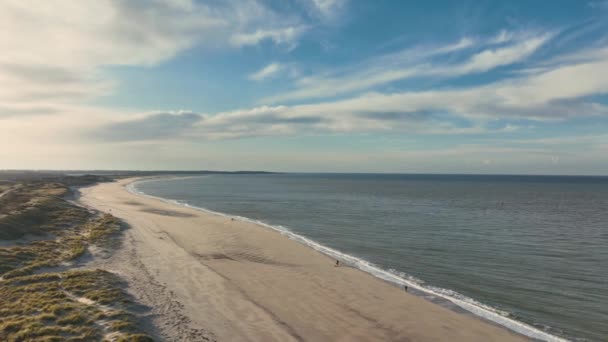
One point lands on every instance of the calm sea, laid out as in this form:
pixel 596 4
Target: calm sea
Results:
pixel 531 249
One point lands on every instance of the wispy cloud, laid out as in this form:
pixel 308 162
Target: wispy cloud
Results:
pixel 492 58
pixel 415 63
pixel 287 36
pixel 267 71
pixel 328 8
pixel 559 93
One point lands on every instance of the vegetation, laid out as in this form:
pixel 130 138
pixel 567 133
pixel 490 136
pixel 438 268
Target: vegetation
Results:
pixel 37 209
pixel 42 230
pixel 66 306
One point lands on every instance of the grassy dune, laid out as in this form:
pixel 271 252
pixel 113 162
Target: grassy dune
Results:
pixel 37 209
pixel 67 306
pixel 40 230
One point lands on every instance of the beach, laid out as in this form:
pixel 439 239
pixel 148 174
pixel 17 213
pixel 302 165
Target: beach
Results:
pixel 210 277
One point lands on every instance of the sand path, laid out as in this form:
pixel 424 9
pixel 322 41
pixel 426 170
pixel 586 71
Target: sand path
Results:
pixel 210 278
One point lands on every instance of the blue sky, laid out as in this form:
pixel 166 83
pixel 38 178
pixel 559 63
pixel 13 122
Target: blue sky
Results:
pixel 306 85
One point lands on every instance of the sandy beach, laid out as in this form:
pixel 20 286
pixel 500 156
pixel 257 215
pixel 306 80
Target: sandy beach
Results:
pixel 207 277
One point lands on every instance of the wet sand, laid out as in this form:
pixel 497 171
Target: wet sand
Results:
pixel 212 278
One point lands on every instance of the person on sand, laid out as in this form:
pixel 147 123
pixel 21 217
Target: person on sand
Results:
pixel 337 263
pixel 405 288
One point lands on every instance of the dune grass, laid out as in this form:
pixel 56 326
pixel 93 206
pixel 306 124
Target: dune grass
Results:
pixel 67 306
pixel 37 209
pixel 63 229
pixel 75 305
pixel 69 244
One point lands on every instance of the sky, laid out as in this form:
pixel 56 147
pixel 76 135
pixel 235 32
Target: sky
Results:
pixel 496 87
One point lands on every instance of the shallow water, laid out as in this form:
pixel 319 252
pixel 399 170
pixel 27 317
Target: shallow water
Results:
pixel 533 248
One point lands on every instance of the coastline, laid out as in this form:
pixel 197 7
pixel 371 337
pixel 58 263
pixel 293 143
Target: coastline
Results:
pixel 236 280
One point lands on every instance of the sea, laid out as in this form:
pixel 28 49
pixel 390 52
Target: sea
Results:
pixel 526 252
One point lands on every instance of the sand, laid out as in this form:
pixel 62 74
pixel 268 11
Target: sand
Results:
pixel 207 277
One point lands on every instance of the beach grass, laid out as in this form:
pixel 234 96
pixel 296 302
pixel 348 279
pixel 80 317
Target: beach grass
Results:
pixel 81 305
pixel 69 244
pixel 37 209
pixel 40 230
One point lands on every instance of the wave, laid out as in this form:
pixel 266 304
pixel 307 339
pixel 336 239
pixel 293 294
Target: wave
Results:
pixel 393 276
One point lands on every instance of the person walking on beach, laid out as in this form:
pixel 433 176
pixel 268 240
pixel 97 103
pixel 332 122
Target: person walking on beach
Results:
pixel 405 288
pixel 337 263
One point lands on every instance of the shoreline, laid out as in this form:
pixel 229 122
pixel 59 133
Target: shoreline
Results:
pixel 450 300
pixel 262 271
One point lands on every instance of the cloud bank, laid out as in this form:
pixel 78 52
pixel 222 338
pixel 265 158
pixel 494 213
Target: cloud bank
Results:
pixel 564 90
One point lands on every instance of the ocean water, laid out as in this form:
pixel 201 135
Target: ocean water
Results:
pixel 527 252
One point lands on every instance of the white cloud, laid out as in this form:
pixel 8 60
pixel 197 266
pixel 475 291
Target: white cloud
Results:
pixel 55 70
pixel 328 7
pixel 492 58
pixel 463 43
pixel 84 34
pixel 53 58
pixel 268 71
pixel 286 36
pixel 411 63
pixel 550 95
pixel 502 37
pixel 54 53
